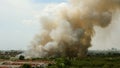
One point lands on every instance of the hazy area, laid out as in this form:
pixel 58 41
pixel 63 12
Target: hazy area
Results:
pixel 59 33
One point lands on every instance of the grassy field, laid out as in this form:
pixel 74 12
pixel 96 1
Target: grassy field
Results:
pixel 87 62
pixel 94 59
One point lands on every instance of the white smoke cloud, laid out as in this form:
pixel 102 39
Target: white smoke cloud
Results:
pixel 69 27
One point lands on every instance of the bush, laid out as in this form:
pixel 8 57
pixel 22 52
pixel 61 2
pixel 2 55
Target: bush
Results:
pixel 26 66
pixel 21 57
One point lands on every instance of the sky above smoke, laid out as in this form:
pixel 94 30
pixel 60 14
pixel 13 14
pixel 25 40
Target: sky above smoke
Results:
pixel 16 26
pixel 19 23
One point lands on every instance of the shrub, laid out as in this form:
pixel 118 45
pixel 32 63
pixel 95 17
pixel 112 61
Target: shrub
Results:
pixel 26 66
pixel 21 57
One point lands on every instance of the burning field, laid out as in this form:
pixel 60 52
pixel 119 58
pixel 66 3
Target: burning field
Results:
pixel 68 28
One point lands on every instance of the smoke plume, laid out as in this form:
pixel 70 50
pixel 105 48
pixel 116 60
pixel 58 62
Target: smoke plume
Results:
pixel 67 29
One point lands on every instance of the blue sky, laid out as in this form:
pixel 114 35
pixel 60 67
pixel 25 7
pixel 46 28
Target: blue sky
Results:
pixel 48 1
pixel 16 28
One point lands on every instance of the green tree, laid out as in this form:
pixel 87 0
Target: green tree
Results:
pixel 21 57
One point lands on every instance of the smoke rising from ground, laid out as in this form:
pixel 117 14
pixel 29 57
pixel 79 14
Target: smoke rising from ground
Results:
pixel 67 29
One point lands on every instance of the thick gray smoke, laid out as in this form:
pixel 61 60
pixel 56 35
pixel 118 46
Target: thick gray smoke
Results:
pixel 67 29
